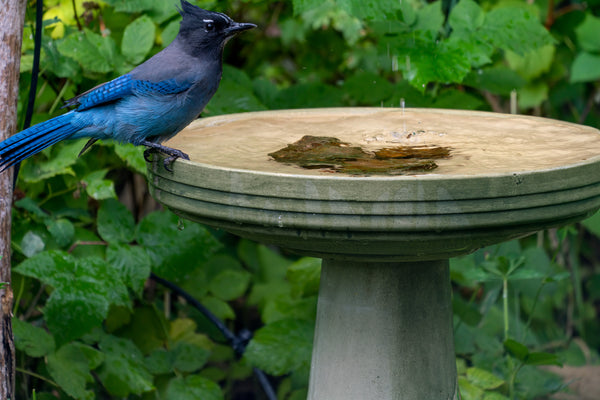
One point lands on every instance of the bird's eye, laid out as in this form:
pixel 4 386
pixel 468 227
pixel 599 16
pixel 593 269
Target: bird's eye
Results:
pixel 209 26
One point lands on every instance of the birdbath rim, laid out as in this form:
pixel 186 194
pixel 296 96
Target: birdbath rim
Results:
pixel 418 216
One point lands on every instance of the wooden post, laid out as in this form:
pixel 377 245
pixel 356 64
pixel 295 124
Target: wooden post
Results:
pixel 12 14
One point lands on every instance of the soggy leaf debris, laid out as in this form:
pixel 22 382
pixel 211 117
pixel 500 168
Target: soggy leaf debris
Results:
pixel 330 153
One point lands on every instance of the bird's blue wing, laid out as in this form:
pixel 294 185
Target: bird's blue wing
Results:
pixel 104 93
pixel 124 86
pixel 169 86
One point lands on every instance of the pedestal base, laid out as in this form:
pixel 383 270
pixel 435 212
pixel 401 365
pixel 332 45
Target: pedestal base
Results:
pixel 384 331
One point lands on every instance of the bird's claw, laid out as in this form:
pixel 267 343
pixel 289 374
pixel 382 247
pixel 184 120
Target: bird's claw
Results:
pixel 174 154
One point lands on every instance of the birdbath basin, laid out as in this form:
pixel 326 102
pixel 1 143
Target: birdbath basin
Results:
pixel 384 318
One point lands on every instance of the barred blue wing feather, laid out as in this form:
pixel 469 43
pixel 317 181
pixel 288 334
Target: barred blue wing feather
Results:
pixel 104 93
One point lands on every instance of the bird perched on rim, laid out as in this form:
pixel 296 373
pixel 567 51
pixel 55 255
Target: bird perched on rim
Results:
pixel 150 104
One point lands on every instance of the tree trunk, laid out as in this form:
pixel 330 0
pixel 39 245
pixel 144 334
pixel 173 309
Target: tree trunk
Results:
pixel 11 34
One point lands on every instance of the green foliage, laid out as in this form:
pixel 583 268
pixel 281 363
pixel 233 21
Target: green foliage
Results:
pixel 86 235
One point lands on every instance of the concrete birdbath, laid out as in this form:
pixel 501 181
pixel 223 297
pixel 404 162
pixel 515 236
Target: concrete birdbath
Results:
pixel 384 318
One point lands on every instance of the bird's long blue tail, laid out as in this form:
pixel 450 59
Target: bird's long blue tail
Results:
pixel 35 139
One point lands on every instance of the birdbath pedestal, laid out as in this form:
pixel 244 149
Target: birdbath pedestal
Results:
pixel 384 318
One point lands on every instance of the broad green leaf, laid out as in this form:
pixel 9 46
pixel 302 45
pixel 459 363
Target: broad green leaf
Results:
pixel 515 29
pixel 70 367
pixel 542 359
pixel 218 307
pixel 281 347
pixel 159 362
pixel 123 371
pixel 193 387
pixel 232 97
pixel 138 39
pixel 466 16
pixel 32 243
pixel 132 263
pixel 31 206
pixel 430 19
pixel 304 276
pixel 592 224
pixel 187 357
pixel 483 379
pixel 169 33
pixel 230 284
pixel 97 187
pixel 147 329
pixel 516 349
pixel 532 95
pixel 61 158
pixel 532 64
pixel 496 80
pixel 469 391
pixel 34 341
pixel 585 68
pixel 588 33
pixel 286 308
pixel 132 155
pixel 176 247
pixel 94 52
pixel 62 230
pixel 115 222
pixel 367 89
pixel 84 289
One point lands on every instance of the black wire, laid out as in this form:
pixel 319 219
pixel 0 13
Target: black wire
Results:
pixel 238 342
pixel 35 71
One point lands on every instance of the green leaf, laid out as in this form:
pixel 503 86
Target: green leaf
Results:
pixel 70 367
pixel 496 80
pixel 588 33
pixel 483 379
pixel 516 29
pixel 32 244
pixel 592 224
pixel 176 247
pixel 187 357
pixel 230 284
pixel 133 264
pixel 62 230
pixel 132 155
pixel 516 349
pixel 304 276
pixel 62 157
pixel 123 371
pixel 368 89
pixel 97 187
pixel 532 64
pixel 115 222
pixel 532 95
pixel 94 52
pixel 430 19
pixel 466 16
pixel 84 289
pixel 542 359
pixel 220 308
pixel 138 39
pixel 585 68
pixel 282 346
pixel 193 387
pixel 34 341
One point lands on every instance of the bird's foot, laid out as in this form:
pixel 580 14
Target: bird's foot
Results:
pixel 173 154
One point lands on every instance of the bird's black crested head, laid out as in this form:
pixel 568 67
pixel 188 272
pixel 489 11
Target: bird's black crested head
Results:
pixel 202 28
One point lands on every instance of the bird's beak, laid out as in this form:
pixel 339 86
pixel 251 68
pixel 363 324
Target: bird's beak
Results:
pixel 238 27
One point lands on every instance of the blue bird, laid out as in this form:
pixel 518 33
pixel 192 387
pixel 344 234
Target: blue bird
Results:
pixel 150 104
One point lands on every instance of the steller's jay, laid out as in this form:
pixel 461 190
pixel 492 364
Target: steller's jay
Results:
pixel 148 105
